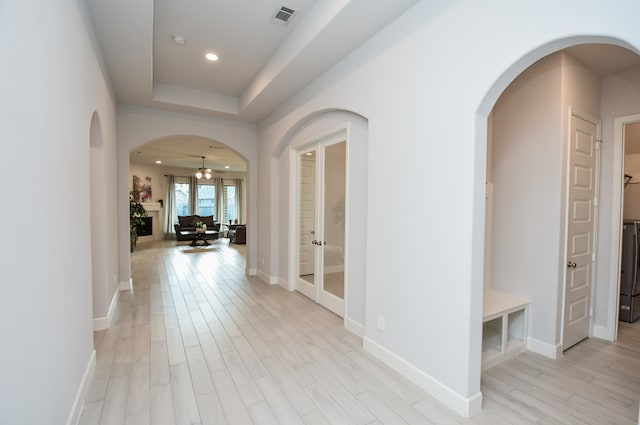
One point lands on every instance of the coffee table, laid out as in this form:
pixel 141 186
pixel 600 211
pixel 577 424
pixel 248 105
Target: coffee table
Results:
pixel 201 238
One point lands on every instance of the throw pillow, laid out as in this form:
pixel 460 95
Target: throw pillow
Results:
pixel 185 221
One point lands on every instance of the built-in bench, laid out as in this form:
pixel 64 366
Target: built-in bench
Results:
pixel 504 329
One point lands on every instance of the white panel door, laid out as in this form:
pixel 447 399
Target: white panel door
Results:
pixel 583 159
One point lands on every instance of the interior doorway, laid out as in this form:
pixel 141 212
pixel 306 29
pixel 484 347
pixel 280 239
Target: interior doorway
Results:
pixel 626 145
pixel 320 223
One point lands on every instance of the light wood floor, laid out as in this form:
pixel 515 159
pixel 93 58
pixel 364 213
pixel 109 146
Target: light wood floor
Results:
pixel 198 342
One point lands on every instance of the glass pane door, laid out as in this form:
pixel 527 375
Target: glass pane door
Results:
pixel 334 219
pixel 307 217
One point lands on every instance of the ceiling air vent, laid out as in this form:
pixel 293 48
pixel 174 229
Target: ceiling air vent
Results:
pixel 283 15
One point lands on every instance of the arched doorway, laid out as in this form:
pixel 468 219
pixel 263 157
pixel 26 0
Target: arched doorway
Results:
pixel 352 128
pixel 163 170
pixel 527 180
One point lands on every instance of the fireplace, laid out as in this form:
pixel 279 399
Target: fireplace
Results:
pixel 154 222
pixel 147 228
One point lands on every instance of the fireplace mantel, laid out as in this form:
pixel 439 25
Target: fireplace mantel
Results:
pixel 152 206
pixel 155 210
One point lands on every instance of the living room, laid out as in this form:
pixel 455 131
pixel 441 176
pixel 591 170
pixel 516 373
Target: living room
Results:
pixel 175 162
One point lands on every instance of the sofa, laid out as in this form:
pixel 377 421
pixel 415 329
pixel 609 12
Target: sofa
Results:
pixel 238 233
pixel 187 223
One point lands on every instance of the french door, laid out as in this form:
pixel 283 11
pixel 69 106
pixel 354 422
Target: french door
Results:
pixel 320 259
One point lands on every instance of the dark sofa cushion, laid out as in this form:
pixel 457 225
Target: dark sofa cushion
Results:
pixel 186 221
pixel 208 221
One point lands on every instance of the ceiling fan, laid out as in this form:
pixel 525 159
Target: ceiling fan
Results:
pixel 203 172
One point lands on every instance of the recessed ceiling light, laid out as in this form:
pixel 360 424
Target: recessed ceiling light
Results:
pixel 309 153
pixel 158 162
pixel 211 56
pixel 178 39
pixel 226 166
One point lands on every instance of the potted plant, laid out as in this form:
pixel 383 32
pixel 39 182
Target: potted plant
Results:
pixel 137 213
pixel 201 227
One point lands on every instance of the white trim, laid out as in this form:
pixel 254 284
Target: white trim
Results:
pixel 616 224
pixel 78 403
pixel 464 406
pixel 354 327
pixel 548 350
pixel 269 280
pixel 284 284
pixel 600 332
pixel 100 323
pixel 126 286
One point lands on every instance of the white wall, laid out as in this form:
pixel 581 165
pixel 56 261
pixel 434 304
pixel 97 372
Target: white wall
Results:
pixel 426 102
pixel 51 85
pixel 527 185
pixel 137 126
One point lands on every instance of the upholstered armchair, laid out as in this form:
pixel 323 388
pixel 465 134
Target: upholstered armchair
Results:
pixel 238 234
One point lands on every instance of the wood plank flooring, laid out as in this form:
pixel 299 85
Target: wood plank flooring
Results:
pixel 197 342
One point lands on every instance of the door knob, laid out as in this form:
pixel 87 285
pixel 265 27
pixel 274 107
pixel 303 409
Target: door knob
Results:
pixel 315 242
pixel 571 265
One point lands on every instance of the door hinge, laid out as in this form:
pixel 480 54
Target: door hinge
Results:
pixel 593 256
pixel 591 312
pixel 595 202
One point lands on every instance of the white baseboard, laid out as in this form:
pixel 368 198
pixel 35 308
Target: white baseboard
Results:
pixel 126 286
pixel 354 327
pixel 464 406
pixel 100 323
pixel 270 280
pixel 544 349
pixel 284 284
pixel 251 272
pixel 78 403
pixel 601 332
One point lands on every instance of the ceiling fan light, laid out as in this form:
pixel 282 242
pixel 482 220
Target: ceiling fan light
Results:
pixel 198 175
pixel 207 175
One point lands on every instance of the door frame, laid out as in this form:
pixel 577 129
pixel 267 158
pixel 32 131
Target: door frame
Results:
pixel 598 123
pixel 341 133
pixel 617 199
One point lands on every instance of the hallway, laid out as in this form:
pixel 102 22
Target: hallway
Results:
pixel 198 342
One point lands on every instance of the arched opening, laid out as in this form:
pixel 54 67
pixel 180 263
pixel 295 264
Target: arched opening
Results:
pixel 309 132
pixel 163 171
pixel 525 122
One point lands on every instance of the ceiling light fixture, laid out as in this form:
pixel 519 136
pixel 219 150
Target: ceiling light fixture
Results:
pixel 211 57
pixel 158 162
pixel 226 166
pixel 206 172
pixel 178 39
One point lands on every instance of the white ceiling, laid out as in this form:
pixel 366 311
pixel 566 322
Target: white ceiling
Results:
pixel 261 65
